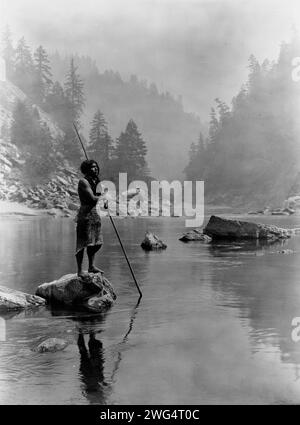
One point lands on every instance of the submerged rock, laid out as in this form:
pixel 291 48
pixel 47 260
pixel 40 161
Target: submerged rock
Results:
pixel 256 212
pixel 286 251
pixel 281 212
pixel 152 242
pixel 11 299
pixel 93 292
pixel 221 228
pixel 51 345
pixel 195 235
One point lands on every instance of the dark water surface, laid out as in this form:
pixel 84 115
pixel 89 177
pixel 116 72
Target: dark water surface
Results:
pixel 213 326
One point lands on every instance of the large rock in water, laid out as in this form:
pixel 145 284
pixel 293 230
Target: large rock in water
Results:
pixel 221 228
pixel 195 235
pixel 51 345
pixel 11 299
pixel 93 292
pixel 152 242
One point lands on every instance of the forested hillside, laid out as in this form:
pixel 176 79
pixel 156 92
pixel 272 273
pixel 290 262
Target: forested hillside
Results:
pixel 251 154
pixel 166 127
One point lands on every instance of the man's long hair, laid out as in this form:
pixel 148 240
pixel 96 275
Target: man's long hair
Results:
pixel 86 166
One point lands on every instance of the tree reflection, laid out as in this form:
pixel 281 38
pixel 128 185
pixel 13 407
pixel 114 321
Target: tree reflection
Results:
pixel 264 290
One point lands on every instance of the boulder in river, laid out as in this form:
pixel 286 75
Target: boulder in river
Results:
pixel 152 242
pixel 286 251
pixel 92 292
pixel 51 345
pixel 11 299
pixel 221 228
pixel 195 235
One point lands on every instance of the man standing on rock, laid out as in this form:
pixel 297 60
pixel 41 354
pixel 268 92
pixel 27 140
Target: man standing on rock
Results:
pixel 89 232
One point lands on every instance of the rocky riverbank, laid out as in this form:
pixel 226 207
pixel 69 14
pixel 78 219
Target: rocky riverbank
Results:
pixel 57 195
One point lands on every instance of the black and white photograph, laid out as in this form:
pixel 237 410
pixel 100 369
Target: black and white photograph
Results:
pixel 149 205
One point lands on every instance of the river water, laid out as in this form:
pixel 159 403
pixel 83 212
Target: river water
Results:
pixel 213 326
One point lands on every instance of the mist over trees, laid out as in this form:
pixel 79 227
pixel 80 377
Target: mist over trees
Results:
pixel 34 139
pixel 65 103
pixel 252 149
pixel 160 117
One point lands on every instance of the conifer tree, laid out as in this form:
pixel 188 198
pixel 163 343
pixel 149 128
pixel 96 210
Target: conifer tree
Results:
pixel 213 128
pixel 100 141
pixel 24 68
pixel 43 74
pixel 25 126
pixel 8 52
pixel 131 152
pixel 74 92
pixel 196 165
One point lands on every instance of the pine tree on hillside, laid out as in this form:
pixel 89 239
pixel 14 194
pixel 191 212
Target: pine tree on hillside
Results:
pixel 34 139
pixel 24 74
pixel 74 92
pixel 224 111
pixel 25 126
pixel 131 152
pixel 8 52
pixel 254 74
pixel 42 159
pixel 43 74
pixel 100 141
pixel 213 129
pixel 56 103
pixel 23 56
pixel 194 169
pixel 72 109
pixel 58 106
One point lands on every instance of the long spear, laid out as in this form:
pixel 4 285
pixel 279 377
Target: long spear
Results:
pixel 113 224
pixel 79 138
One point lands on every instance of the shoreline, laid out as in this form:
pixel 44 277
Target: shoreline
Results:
pixel 13 209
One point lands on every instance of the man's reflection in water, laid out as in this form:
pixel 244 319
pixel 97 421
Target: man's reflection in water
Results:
pixel 91 368
pixel 92 359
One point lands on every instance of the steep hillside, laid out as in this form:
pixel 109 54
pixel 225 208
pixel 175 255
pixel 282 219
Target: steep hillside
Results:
pixel 58 194
pixel 9 95
pixel 252 154
pixel 165 126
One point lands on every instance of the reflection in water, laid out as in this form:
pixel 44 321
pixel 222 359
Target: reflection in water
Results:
pixel 255 246
pixel 92 359
pixel 124 340
pixel 92 367
pixel 266 293
pixel 92 355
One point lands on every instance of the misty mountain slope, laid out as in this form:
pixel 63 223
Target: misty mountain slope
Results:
pixel 10 94
pixel 19 181
pixel 167 129
pixel 252 154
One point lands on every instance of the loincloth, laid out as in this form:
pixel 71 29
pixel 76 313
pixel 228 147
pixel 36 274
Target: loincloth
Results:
pixel 88 229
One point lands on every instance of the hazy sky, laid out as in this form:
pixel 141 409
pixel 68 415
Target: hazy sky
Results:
pixel 195 48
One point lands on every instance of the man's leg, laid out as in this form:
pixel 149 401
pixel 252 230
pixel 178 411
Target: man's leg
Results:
pixel 91 251
pixel 79 259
